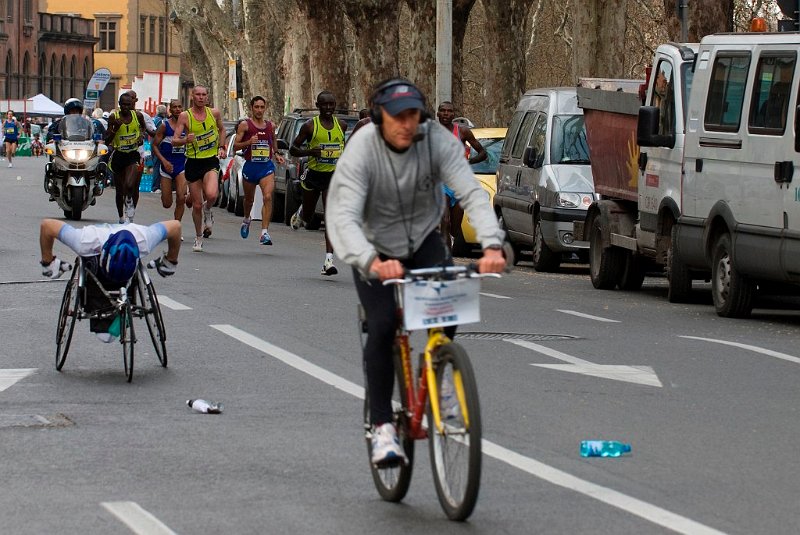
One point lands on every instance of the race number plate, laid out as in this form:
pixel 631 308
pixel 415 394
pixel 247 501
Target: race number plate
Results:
pixel 441 303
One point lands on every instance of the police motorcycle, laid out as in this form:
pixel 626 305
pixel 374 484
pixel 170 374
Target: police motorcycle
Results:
pixel 75 176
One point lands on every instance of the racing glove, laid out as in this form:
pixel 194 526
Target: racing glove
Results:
pixel 56 268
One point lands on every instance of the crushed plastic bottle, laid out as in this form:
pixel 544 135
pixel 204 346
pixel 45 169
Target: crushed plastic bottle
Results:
pixel 603 448
pixel 205 407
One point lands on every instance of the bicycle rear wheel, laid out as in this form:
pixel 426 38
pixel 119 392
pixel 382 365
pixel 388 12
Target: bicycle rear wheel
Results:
pixel 455 450
pixel 152 315
pixel 392 482
pixel 67 316
pixel 127 338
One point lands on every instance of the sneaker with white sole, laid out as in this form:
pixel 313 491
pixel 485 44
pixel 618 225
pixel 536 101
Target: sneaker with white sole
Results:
pixel 244 232
pixel 130 209
pixel 198 244
pixel 297 219
pixel 386 449
pixel 208 222
pixel 265 239
pixel 56 268
pixel 328 268
pixel 448 401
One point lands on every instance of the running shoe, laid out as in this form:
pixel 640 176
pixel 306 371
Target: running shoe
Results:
pixel 130 209
pixel 328 268
pixel 265 239
pixel 245 230
pixel 164 267
pixel 10 164
pixel 297 219
pixel 56 268
pixel 208 221
pixel 448 405
pixel 198 244
pixel 386 448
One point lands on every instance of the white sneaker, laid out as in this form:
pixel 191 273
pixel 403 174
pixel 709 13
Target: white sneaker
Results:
pixel 10 164
pixel 386 448
pixel 198 245
pixel 448 405
pixel 297 219
pixel 130 209
pixel 328 268
pixel 208 221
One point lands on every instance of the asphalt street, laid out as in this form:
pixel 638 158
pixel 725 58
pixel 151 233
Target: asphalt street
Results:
pixel 709 405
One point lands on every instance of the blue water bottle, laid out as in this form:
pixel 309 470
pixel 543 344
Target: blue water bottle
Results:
pixel 603 448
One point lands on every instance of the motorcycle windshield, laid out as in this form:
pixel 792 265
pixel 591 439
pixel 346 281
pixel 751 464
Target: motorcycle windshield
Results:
pixel 75 128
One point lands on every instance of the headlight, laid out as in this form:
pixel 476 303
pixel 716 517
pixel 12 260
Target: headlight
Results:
pixel 574 200
pixel 76 155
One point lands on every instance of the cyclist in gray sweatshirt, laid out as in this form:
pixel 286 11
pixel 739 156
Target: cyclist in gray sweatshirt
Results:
pixel 385 204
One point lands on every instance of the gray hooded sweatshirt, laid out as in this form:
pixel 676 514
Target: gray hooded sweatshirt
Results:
pixel 382 201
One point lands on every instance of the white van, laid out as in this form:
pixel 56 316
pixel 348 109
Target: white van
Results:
pixel 741 209
pixel 544 181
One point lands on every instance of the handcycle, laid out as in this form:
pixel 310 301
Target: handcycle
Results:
pixel 438 399
pixel 136 299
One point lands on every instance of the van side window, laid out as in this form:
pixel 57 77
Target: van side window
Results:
pixel 538 140
pixel 513 128
pixel 523 135
pixel 726 92
pixel 664 98
pixel 770 101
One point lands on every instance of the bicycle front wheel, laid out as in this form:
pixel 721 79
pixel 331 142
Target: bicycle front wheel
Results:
pixel 67 316
pixel 392 482
pixel 455 448
pixel 127 338
pixel 152 316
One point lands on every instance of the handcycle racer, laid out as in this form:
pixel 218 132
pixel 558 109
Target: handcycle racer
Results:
pixel 384 208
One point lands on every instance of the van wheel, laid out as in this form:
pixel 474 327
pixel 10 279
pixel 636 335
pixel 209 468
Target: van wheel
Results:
pixel 680 281
pixel 544 259
pixel 605 263
pixel 632 272
pixel 732 293
pixel 514 248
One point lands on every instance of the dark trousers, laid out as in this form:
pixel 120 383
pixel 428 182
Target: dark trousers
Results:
pixel 381 313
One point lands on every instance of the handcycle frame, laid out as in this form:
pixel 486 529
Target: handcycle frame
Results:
pixel 73 308
pixel 392 482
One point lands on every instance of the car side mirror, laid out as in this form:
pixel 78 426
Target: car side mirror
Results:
pixel 282 145
pixel 647 129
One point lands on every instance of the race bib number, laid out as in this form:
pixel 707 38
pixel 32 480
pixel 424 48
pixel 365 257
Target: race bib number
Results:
pixel 179 150
pixel 330 152
pixel 429 304
pixel 127 142
pixel 11 130
pixel 260 152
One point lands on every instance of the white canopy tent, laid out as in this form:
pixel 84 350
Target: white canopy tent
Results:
pixel 38 105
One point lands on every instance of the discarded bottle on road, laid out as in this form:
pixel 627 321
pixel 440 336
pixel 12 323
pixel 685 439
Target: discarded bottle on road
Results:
pixel 603 448
pixel 201 405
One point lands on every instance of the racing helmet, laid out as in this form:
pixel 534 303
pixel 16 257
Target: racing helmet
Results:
pixel 72 104
pixel 120 257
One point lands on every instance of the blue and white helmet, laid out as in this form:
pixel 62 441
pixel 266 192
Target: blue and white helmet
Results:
pixel 120 256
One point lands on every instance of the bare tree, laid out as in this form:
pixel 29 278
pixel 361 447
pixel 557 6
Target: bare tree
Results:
pixel 461 15
pixel 706 17
pixel 506 37
pixel 421 61
pixel 598 38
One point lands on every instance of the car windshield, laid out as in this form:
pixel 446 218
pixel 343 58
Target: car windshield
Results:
pixel 493 148
pixel 75 128
pixel 569 140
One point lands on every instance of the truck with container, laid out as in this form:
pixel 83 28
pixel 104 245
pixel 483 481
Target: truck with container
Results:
pixel 638 179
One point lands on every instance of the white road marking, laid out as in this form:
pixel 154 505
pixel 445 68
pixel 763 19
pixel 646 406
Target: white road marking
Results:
pixel 496 296
pixel 587 316
pixel 769 352
pixel 171 303
pixel 10 376
pixel 636 507
pixel 642 375
pixel 137 519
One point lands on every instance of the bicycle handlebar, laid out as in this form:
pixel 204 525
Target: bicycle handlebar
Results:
pixel 410 275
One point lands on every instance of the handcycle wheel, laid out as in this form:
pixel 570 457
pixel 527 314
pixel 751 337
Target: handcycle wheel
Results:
pixel 393 482
pixel 127 338
pixel 152 316
pixel 67 316
pixel 455 451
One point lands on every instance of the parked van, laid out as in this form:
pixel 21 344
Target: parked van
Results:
pixel 544 181
pixel 741 209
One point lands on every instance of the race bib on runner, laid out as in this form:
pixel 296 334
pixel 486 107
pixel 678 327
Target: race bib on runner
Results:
pixel 260 152
pixel 127 142
pixel 330 152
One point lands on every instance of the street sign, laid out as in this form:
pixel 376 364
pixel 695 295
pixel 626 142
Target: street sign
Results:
pixel 232 78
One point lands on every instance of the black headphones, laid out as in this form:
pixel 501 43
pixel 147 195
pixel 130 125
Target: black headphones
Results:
pixel 380 91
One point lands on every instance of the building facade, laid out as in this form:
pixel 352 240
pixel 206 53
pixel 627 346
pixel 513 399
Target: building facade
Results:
pixel 43 53
pixel 133 36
